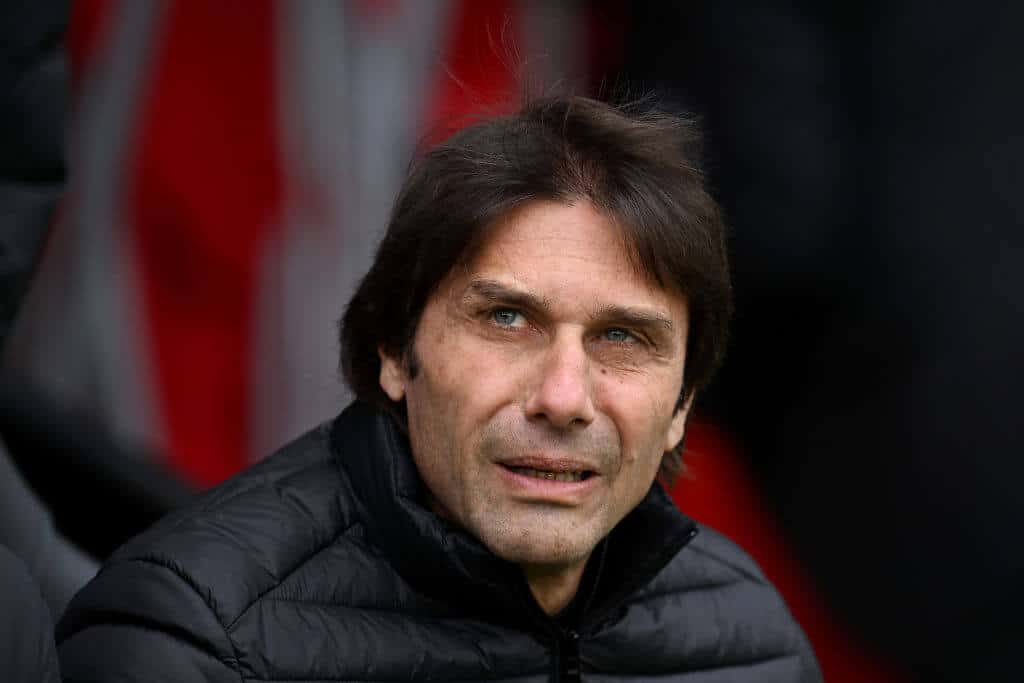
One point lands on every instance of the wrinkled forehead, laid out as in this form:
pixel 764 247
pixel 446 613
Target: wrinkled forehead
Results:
pixel 536 233
pixel 559 250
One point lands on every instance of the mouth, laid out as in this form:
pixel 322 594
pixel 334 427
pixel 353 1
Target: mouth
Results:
pixel 550 477
pixel 567 476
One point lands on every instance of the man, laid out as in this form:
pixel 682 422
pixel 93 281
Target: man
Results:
pixel 551 294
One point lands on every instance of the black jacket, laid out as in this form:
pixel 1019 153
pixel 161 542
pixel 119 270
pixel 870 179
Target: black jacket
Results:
pixel 27 654
pixel 321 564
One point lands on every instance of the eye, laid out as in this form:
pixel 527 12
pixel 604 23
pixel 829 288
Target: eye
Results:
pixel 617 335
pixel 507 317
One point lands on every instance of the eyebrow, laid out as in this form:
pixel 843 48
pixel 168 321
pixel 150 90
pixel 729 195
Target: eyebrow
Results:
pixel 498 292
pixel 635 318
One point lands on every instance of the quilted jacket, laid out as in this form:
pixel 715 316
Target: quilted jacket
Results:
pixel 322 564
pixel 27 654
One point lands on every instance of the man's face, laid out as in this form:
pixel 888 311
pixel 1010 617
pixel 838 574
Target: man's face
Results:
pixel 549 372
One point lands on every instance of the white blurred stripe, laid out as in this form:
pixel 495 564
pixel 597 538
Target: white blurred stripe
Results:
pixel 353 93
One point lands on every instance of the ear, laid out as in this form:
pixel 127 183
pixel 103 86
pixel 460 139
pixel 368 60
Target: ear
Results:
pixel 677 428
pixel 392 376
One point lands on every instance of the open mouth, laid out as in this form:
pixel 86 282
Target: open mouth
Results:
pixel 571 476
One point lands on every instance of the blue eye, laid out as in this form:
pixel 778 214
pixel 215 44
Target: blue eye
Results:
pixel 618 335
pixel 507 317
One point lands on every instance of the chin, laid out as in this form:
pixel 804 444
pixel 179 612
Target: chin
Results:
pixel 532 546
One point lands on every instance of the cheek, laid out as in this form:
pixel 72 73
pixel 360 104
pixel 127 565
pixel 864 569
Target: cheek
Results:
pixel 479 380
pixel 443 406
pixel 642 412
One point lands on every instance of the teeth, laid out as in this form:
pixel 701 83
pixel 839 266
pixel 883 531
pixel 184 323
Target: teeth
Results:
pixel 550 476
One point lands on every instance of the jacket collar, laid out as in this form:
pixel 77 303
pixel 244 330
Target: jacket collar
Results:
pixel 446 563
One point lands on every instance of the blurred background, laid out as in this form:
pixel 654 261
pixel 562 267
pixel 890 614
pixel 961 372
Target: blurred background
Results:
pixel 190 190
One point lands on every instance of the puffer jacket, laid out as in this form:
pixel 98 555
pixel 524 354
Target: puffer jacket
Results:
pixel 27 654
pixel 322 564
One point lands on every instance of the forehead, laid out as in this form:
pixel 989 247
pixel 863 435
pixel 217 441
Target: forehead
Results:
pixel 567 251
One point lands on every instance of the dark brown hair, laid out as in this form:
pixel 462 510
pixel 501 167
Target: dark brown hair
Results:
pixel 637 165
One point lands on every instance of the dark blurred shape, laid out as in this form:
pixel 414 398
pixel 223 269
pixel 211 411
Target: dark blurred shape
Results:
pixel 33 79
pixel 27 529
pixel 94 490
pixel 27 650
pixel 871 156
pixel 33 74
pixel 100 492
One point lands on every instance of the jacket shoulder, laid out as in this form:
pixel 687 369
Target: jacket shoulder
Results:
pixel 720 557
pixel 237 541
pixel 730 613
pixel 26 633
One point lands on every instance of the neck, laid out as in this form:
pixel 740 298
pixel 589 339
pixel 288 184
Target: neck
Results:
pixel 554 587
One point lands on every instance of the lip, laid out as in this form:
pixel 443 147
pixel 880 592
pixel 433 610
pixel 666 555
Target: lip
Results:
pixel 548 490
pixel 548 463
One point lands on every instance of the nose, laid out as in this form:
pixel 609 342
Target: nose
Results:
pixel 563 393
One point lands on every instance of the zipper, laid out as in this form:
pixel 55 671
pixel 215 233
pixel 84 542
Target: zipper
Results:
pixel 569 657
pixel 565 641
